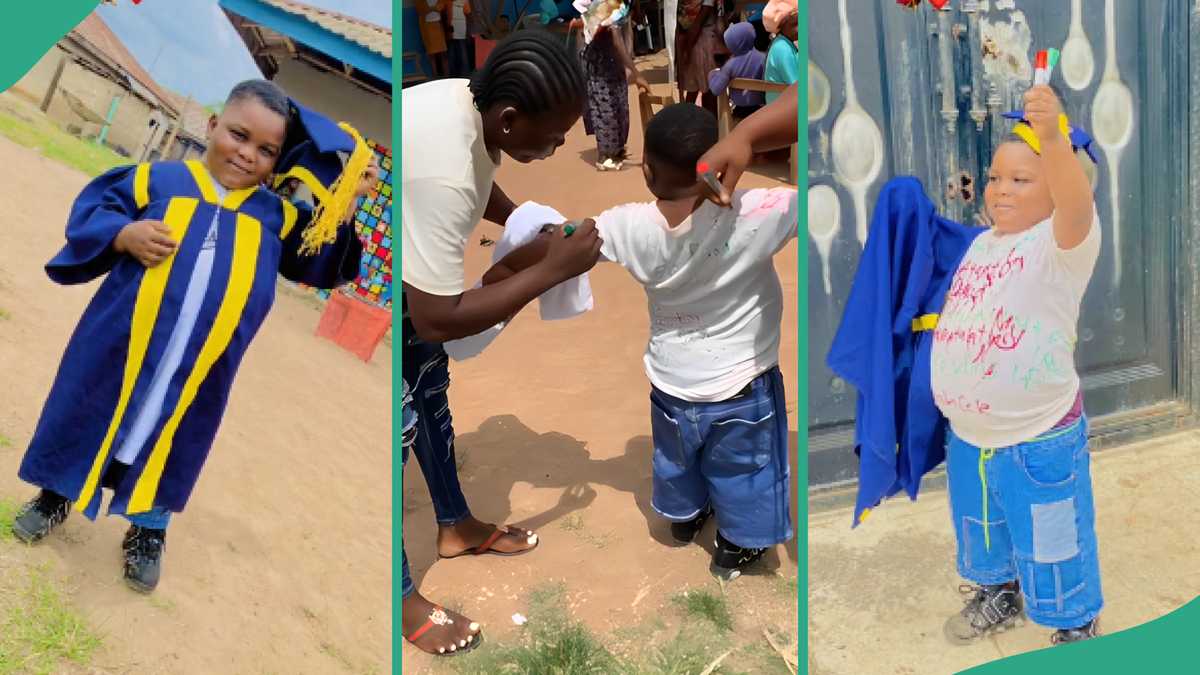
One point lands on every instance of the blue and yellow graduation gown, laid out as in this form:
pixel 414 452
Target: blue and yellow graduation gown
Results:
pixel 106 371
pixel 884 341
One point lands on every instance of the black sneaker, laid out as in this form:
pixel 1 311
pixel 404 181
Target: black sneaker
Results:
pixel 143 557
pixel 990 609
pixel 1085 632
pixel 685 532
pixel 40 515
pixel 730 560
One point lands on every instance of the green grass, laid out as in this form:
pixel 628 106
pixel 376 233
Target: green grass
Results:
pixel 8 512
pixel 56 144
pixel 39 629
pixel 706 605
pixel 5 442
pixel 552 643
pixel 4 315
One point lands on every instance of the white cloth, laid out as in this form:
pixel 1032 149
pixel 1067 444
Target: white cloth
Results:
pixel 1003 360
pixel 193 297
pixel 458 20
pixel 713 293
pixel 566 300
pixel 446 183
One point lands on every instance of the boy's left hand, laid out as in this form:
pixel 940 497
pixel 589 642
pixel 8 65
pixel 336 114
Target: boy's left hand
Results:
pixel 369 179
pixel 1043 109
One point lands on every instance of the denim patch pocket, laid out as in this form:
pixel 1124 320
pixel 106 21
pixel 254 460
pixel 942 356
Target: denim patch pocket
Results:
pixel 745 438
pixel 1050 586
pixel 1055 537
pixel 1051 463
pixel 667 436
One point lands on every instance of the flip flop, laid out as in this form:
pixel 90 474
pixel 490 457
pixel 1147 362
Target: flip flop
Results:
pixel 486 547
pixel 439 617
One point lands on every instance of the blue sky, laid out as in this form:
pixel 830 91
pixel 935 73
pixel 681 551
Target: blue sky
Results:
pixel 189 46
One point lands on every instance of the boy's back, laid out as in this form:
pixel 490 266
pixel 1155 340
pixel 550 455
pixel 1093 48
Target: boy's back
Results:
pixel 713 295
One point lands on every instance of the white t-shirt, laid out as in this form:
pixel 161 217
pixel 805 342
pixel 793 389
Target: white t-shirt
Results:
pixel 1003 360
pixel 714 297
pixel 447 181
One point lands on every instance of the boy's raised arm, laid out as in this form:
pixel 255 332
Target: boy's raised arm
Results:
pixel 1069 186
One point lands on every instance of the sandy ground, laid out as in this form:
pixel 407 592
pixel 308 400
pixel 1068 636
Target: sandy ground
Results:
pixel 553 432
pixel 892 580
pixel 282 561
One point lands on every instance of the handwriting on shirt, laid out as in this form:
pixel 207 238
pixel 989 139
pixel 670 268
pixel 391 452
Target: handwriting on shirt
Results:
pixel 971 281
pixel 961 402
pixel 1000 333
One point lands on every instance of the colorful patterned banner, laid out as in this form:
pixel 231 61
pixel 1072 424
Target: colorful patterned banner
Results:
pixel 373 222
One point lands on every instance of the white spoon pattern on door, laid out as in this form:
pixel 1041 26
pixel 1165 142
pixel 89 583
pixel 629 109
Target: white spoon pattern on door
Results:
pixel 856 141
pixel 1112 126
pixel 824 221
pixel 1078 62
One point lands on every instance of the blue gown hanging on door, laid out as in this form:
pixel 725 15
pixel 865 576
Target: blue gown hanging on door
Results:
pixel 884 341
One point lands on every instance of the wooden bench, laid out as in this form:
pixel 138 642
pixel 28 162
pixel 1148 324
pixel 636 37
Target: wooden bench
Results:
pixel 418 74
pixel 645 103
pixel 725 112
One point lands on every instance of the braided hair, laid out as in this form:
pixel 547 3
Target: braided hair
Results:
pixel 531 70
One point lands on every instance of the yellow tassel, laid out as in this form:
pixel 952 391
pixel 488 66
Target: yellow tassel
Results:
pixel 330 213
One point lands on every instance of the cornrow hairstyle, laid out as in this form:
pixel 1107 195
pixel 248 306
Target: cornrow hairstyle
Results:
pixel 532 70
pixel 265 92
pixel 680 134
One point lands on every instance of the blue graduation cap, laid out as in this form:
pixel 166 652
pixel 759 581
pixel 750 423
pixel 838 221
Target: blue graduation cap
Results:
pixel 330 159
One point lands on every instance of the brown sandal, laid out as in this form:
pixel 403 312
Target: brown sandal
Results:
pixel 486 547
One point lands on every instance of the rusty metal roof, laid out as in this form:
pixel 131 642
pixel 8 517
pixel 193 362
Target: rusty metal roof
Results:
pixel 95 32
pixel 376 38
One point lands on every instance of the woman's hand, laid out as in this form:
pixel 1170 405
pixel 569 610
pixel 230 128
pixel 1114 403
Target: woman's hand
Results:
pixel 728 159
pixel 636 79
pixel 569 256
pixel 149 241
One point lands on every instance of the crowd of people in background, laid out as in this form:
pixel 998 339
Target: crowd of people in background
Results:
pixel 716 41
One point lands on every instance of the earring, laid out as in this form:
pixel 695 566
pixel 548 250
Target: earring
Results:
pixel 507 131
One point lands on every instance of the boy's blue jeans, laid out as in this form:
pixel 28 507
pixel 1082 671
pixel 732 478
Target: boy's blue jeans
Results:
pixel 426 370
pixel 155 519
pixel 730 454
pixel 1026 512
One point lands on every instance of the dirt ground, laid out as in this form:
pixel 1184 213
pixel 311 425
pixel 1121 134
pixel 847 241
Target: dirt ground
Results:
pixel 282 561
pixel 553 434
pixel 893 578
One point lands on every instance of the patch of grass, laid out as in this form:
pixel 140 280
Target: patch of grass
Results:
pixel 161 603
pixel 574 523
pixel 5 442
pixel 40 630
pixel 552 643
pixel 689 653
pixel 4 315
pixel 702 604
pixel 8 513
pixel 52 142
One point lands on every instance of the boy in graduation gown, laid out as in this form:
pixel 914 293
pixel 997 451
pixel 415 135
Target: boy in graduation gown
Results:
pixel 190 252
